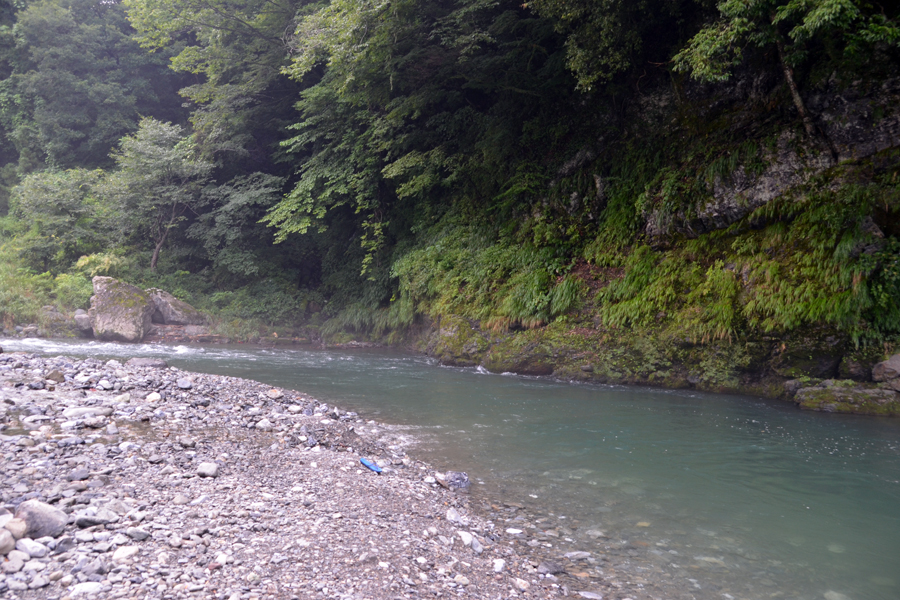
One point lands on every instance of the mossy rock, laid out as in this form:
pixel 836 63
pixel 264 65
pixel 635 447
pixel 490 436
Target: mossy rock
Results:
pixel 457 342
pixel 816 353
pixel 857 363
pixel 848 397
pixel 119 312
pixel 518 354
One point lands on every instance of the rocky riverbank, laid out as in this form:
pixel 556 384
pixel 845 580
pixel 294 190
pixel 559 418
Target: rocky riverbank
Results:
pixel 138 480
pixel 816 369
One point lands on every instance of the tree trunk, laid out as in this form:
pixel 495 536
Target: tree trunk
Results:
pixel 156 250
pixel 808 124
pixel 162 239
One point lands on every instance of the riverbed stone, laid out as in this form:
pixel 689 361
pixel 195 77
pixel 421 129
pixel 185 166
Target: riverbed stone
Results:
pixel 87 588
pixel 14 562
pixel 137 534
pixel 87 411
pixel 208 469
pixel 124 553
pixel 41 519
pixel 78 475
pixel 7 542
pixel 32 548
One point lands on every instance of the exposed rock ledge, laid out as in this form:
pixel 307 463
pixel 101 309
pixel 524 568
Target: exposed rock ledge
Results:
pixel 817 369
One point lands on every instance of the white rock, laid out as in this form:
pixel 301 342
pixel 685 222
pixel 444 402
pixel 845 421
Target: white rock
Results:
pixel 7 542
pixel 521 585
pixel 275 394
pixel 208 470
pixel 476 546
pixel 590 595
pixel 466 537
pixel 125 552
pixel 513 531
pixel 32 548
pixel 87 411
pixel 499 565
pixel 453 516
pixel 153 397
pixel 88 588
pixel 264 425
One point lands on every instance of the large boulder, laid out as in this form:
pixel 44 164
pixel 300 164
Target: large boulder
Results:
pixel 169 310
pixel 120 312
pixel 41 519
pixel 887 370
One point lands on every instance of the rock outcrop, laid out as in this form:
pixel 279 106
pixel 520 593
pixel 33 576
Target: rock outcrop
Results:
pixel 119 312
pixel 888 370
pixel 169 310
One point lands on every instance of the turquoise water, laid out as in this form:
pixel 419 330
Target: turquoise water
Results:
pixel 743 497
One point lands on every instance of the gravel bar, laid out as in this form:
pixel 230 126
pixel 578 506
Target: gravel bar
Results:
pixel 140 480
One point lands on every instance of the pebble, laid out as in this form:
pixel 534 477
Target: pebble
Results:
pixel 32 548
pixel 87 588
pixel 125 552
pixel 466 537
pixel 208 469
pixel 7 542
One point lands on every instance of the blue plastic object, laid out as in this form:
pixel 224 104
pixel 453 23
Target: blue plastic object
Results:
pixel 371 465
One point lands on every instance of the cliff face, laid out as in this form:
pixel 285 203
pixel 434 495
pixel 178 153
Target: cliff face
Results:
pixel 763 265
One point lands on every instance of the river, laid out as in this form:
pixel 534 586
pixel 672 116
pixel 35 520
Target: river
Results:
pixel 741 497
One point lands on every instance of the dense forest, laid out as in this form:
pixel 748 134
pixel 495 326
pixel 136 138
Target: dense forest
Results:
pixel 686 170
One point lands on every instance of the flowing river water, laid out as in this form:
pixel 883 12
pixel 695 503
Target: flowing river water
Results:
pixel 733 497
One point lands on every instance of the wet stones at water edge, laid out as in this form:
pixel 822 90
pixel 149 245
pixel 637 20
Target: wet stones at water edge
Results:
pixel 156 490
pixel 454 480
pixel 879 398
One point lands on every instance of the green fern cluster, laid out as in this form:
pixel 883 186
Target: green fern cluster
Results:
pixel 820 260
pixel 503 283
